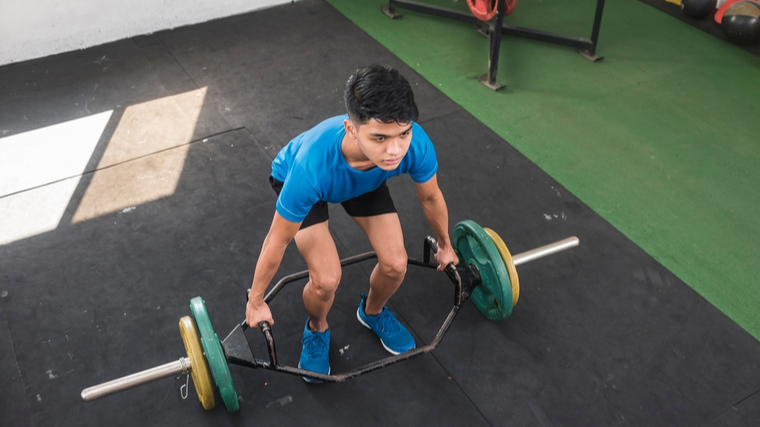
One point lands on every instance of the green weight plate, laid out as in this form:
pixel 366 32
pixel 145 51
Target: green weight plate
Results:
pixel 214 355
pixel 493 297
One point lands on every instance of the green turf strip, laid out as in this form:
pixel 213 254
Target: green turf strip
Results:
pixel 661 138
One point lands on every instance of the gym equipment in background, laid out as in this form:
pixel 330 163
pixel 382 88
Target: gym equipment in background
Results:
pixel 495 27
pixel 698 9
pixel 741 22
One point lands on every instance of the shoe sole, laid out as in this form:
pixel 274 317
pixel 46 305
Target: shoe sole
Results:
pixel 393 352
pixel 311 380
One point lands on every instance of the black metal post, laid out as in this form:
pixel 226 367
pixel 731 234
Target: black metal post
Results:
pixel 494 48
pixel 590 53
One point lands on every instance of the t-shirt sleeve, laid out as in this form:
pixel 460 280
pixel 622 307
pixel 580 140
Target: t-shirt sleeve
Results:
pixel 425 162
pixel 298 195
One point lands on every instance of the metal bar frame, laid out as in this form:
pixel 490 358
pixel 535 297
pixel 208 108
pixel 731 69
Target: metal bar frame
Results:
pixel 464 279
pixel 586 47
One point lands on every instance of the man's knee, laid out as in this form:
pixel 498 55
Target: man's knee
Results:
pixel 395 268
pixel 325 283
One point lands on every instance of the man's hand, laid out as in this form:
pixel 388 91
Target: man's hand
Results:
pixel 445 255
pixel 257 311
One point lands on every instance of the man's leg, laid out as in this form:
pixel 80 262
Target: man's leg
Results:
pixel 384 232
pixel 387 239
pixel 318 250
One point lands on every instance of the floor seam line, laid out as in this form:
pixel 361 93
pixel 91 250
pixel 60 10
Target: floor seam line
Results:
pixel 733 406
pixel 459 386
pixel 747 397
pixel 245 128
pixel 443 116
pixel 90 172
pixel 18 366
pixel 187 74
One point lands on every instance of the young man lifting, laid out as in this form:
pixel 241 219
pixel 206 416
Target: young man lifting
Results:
pixel 347 159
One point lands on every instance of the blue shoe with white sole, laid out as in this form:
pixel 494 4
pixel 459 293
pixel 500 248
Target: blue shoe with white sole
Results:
pixel 315 352
pixel 393 335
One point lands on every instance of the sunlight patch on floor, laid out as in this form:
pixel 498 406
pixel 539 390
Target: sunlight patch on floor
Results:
pixel 147 128
pixel 39 172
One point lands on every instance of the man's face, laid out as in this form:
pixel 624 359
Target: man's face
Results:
pixel 384 144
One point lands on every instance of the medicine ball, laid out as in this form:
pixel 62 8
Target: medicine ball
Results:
pixel 698 9
pixel 741 22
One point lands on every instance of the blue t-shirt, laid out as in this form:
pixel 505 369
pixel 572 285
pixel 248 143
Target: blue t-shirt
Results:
pixel 313 169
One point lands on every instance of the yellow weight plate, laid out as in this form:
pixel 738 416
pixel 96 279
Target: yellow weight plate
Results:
pixel 507 257
pixel 200 370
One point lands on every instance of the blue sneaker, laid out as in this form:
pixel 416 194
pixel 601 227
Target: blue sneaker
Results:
pixel 393 335
pixel 315 352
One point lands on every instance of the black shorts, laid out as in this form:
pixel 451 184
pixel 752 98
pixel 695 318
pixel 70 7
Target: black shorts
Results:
pixel 376 202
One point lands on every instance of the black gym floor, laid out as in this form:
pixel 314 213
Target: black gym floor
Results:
pixel 602 335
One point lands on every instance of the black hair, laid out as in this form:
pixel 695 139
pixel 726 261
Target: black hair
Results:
pixel 379 93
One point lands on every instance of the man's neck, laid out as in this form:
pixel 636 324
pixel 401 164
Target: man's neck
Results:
pixel 354 155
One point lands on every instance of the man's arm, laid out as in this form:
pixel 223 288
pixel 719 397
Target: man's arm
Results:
pixel 436 212
pixel 281 232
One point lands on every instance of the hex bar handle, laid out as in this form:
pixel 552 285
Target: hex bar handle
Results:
pixel 551 248
pixel 181 366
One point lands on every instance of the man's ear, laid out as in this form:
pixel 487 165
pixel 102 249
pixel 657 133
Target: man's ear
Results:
pixel 350 128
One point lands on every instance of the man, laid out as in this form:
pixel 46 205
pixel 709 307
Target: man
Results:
pixel 347 159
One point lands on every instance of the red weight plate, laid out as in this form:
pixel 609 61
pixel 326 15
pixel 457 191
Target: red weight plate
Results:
pixel 722 10
pixel 485 10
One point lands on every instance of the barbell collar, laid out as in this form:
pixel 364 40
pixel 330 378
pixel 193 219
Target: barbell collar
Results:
pixel 551 248
pixel 181 366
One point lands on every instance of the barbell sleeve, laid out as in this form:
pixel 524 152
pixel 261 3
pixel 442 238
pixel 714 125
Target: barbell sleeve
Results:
pixel 546 250
pixel 181 366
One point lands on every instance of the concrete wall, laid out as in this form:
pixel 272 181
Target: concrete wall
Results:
pixel 36 28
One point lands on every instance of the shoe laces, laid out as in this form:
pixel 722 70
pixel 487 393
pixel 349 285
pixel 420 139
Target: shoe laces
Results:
pixel 387 322
pixel 316 345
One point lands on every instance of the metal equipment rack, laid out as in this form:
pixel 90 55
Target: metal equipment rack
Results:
pixel 586 47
